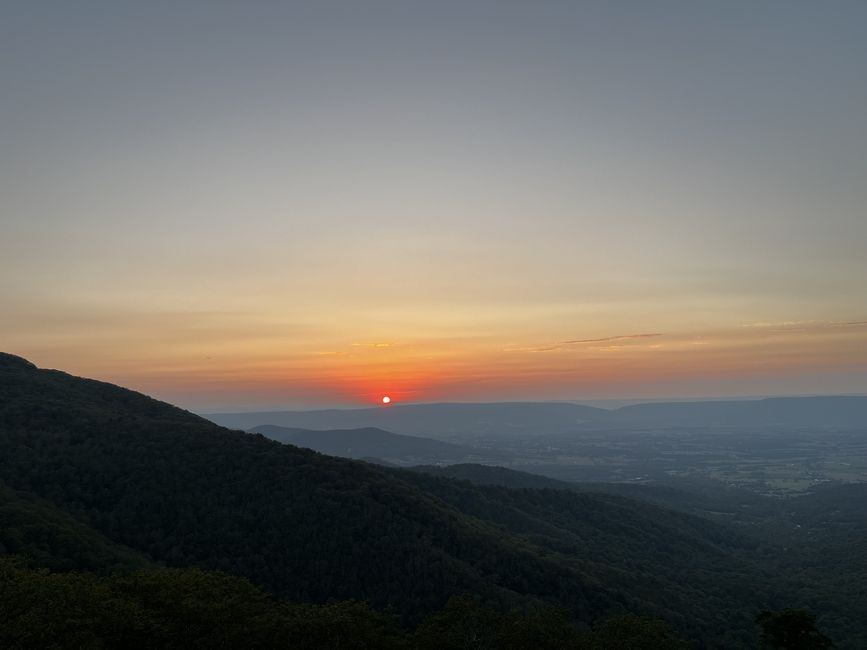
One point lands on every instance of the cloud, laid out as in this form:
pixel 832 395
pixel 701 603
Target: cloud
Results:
pixel 745 330
pixel 563 344
pixel 610 338
pixel 786 323
pixel 803 325
pixel 545 349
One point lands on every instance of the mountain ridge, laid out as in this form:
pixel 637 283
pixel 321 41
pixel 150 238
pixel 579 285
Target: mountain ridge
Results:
pixel 186 492
pixel 372 442
pixel 454 420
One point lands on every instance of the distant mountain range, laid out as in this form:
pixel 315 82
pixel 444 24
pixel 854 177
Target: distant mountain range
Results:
pixel 536 418
pixel 375 444
pixel 833 411
pixel 434 420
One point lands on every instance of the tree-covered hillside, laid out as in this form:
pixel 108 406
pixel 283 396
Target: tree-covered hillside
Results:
pixel 816 544
pixel 191 608
pixel 46 536
pixel 185 492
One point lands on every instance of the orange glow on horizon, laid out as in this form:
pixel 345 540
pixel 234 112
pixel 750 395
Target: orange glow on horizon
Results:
pixel 596 364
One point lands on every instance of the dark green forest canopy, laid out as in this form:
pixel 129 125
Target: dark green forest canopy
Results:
pixel 152 482
pixel 191 608
pixel 49 537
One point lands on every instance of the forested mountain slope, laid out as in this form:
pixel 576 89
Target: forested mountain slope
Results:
pixel 308 527
pixel 46 536
pixel 699 499
pixel 816 544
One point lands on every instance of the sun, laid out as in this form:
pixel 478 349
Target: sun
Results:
pixel 386 399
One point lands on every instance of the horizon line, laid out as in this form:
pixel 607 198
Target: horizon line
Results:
pixel 590 403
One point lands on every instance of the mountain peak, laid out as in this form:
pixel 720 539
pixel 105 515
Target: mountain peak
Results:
pixel 11 361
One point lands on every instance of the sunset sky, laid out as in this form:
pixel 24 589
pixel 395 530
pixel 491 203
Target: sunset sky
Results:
pixel 238 205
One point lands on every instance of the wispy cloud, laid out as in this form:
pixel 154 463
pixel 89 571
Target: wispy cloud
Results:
pixel 623 337
pixel 565 344
pixel 802 325
pixel 749 330
pixel 373 344
pixel 549 348
pixel 784 323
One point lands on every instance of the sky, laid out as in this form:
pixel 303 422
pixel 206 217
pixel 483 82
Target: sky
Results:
pixel 240 205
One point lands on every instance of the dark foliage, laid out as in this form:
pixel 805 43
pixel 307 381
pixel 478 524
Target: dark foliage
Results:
pixel 173 608
pixel 191 608
pixel 791 629
pixel 48 537
pixel 815 545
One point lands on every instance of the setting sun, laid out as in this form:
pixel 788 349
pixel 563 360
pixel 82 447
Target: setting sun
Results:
pixel 386 399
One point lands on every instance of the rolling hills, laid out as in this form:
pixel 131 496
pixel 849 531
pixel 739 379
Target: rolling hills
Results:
pixel 371 442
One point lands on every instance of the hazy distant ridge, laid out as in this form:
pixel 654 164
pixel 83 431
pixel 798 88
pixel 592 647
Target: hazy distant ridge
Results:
pixel 371 442
pixel 527 418
pixel 842 411
pixel 429 419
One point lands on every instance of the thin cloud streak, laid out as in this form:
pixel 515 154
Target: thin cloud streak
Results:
pixel 610 338
pixel 564 344
pixel 803 325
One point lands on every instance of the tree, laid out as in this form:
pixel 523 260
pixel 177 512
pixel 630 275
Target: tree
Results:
pixel 791 629
pixel 630 632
